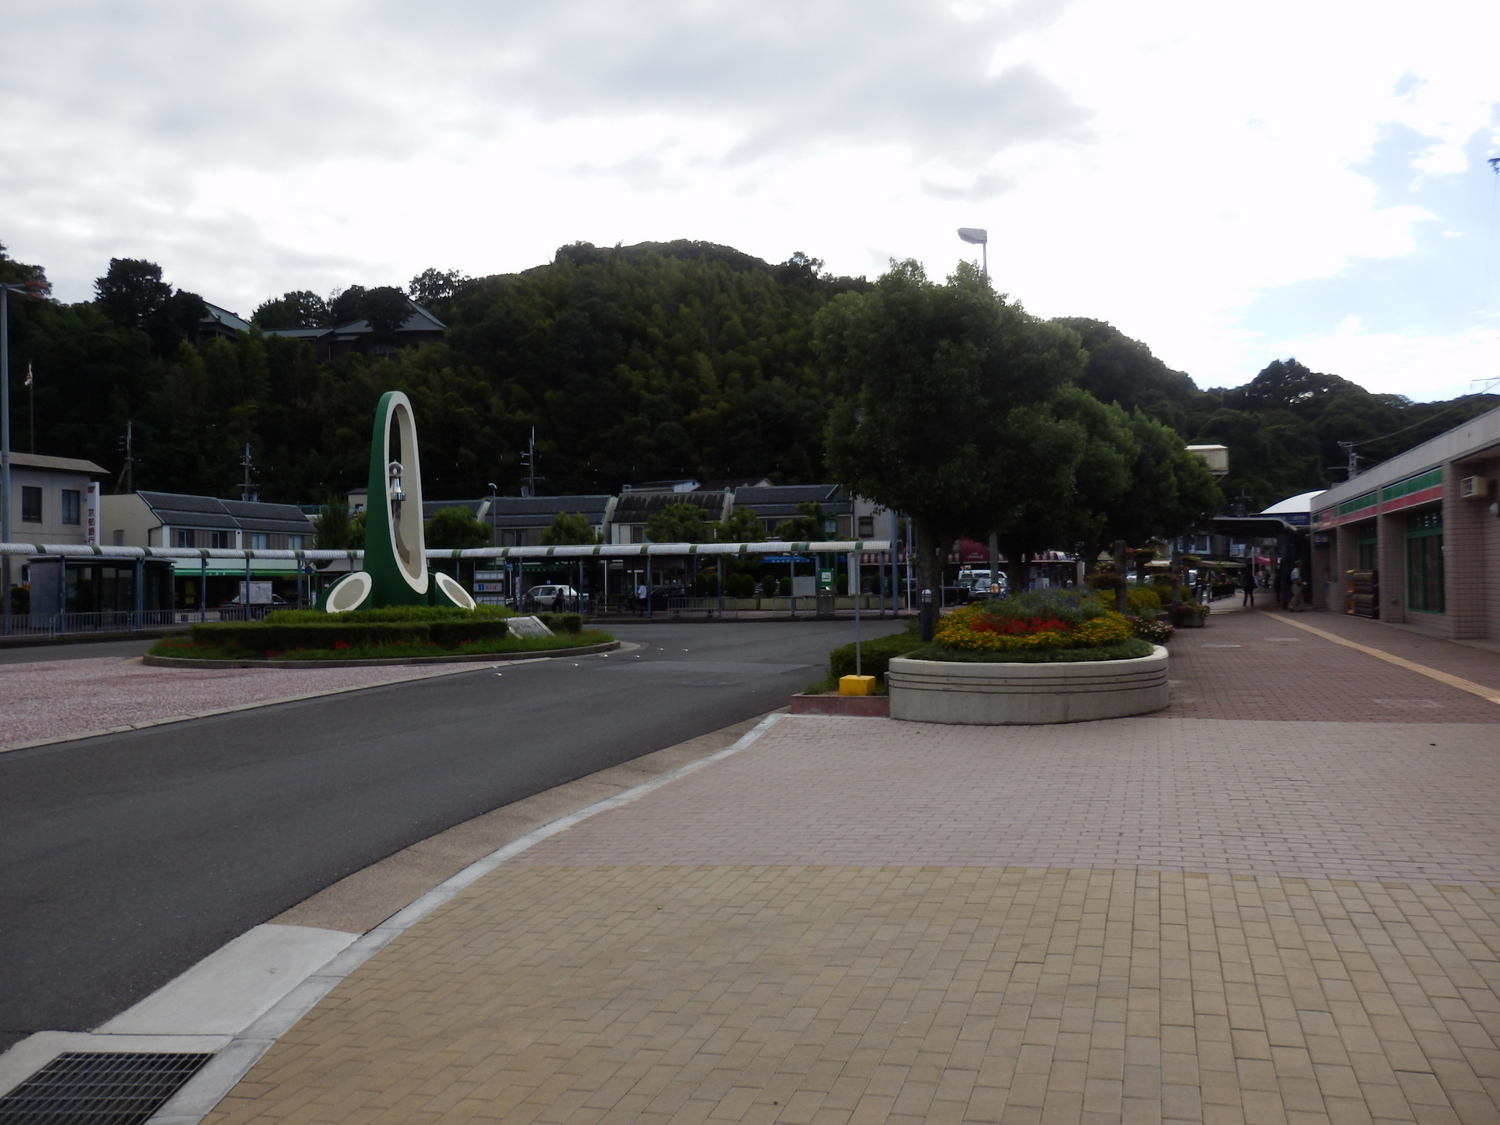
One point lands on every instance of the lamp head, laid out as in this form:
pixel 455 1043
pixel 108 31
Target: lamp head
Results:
pixel 975 235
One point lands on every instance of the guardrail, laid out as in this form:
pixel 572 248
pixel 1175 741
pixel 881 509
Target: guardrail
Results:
pixel 120 621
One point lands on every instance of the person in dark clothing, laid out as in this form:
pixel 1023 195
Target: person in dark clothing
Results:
pixel 1247 584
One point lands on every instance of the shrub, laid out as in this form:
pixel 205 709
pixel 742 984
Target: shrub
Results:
pixel 784 587
pixel 1157 630
pixel 562 622
pixel 740 585
pixel 451 634
pixel 391 613
pixel 254 637
pixel 1137 598
pixel 875 654
pixel 768 585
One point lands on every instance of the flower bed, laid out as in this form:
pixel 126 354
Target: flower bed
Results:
pixel 1032 623
pixel 1047 657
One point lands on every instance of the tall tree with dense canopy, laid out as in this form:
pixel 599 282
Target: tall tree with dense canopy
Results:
pixel 946 414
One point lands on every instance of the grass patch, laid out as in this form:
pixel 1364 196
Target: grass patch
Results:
pixel 1130 649
pixel 503 646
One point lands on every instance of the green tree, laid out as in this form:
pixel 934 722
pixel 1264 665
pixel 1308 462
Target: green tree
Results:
pixel 299 308
pixel 806 526
pixel 456 529
pixel 677 523
pixel 569 528
pixel 331 527
pixel 742 526
pixel 1171 490
pixel 946 410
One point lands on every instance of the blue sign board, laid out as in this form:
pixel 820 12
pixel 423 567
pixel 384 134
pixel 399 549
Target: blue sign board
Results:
pixel 786 558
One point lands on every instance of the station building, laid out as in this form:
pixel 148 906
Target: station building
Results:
pixel 1415 540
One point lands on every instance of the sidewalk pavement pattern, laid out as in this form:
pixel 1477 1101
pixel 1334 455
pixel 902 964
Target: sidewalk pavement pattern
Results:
pixel 1274 902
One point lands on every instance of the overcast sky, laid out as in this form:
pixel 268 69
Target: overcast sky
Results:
pixel 1229 183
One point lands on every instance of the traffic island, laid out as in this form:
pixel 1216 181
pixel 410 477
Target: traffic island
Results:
pixel 401 635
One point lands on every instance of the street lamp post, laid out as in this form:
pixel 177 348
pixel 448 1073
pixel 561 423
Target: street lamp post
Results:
pixel 978 237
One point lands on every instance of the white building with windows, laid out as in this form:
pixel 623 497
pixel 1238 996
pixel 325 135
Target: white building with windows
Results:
pixel 51 498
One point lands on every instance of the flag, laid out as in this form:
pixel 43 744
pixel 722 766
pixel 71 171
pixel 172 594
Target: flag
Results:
pixel 28 374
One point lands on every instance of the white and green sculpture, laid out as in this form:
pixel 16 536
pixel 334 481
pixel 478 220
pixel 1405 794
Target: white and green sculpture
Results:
pixel 395 570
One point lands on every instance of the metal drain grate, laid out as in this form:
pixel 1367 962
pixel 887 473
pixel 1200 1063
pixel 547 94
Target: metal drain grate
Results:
pixel 81 1088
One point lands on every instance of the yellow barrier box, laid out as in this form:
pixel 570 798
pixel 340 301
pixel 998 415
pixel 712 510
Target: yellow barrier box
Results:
pixel 856 685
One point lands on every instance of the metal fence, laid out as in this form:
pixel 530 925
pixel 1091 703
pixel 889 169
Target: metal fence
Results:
pixel 121 621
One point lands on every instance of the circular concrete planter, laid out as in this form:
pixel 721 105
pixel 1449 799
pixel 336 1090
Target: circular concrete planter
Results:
pixel 940 691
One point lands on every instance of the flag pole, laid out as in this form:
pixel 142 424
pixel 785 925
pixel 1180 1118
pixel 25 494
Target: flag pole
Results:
pixel 31 406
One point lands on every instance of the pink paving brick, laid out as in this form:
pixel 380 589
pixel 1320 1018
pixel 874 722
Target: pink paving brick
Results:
pixel 1351 800
pixel 1259 666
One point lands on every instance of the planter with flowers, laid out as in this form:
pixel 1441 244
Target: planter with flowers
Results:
pixel 1049 657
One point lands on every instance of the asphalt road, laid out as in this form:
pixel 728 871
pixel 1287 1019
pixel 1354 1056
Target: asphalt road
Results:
pixel 126 859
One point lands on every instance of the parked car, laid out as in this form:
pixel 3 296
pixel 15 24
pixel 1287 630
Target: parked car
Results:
pixel 550 598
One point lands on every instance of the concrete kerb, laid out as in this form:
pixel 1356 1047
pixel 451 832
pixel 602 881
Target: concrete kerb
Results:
pixel 209 1086
pixel 375 662
pixel 473 666
pixel 235 1055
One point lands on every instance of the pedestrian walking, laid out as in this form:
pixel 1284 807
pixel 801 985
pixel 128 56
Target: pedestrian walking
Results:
pixel 1297 603
pixel 640 596
pixel 1247 585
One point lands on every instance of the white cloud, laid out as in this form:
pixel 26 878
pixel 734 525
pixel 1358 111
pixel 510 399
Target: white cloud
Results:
pixel 1158 165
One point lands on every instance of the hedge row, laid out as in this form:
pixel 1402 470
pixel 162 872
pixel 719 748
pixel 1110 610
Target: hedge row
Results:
pixel 875 654
pixel 562 622
pixel 397 613
pixel 340 634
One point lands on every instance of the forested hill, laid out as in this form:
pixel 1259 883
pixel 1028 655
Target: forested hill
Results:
pixel 1282 428
pixel 632 363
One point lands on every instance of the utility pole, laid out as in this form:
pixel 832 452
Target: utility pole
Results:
pixel 247 464
pixel 529 460
pixel 1353 455
pixel 127 474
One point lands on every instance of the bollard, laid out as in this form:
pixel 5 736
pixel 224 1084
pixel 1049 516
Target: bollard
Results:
pixel 929 616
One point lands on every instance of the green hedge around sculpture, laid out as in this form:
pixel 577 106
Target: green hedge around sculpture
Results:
pixel 345 634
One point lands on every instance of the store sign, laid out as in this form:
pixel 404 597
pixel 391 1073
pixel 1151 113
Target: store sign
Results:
pixel 91 514
pixel 489 588
pixel 488 575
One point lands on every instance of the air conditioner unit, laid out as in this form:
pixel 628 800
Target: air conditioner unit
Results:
pixel 1470 487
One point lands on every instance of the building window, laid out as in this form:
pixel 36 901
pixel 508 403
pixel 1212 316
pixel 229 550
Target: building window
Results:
pixel 1424 561
pixel 72 506
pixel 31 504
pixel 295 542
pixel 260 541
pixel 185 537
pixel 117 538
pixel 1367 542
pixel 637 533
pixel 220 539
pixel 867 527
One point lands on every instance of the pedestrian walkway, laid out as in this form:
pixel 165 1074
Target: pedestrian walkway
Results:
pixel 1277 901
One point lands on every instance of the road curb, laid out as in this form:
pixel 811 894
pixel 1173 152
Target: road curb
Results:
pixel 380 662
pixel 234 1059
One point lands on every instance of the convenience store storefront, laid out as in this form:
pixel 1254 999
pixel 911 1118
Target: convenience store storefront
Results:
pixel 1416 540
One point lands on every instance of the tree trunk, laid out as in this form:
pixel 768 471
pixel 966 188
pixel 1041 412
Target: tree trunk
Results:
pixel 930 553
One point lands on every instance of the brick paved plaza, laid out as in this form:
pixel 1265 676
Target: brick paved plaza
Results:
pixel 1274 902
